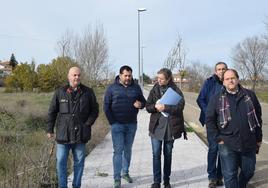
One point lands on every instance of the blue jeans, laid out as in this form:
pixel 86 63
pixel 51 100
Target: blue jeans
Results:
pixel 123 137
pixel 78 151
pixel 231 161
pixel 157 148
pixel 213 159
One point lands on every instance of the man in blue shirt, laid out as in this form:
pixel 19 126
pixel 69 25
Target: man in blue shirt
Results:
pixel 211 87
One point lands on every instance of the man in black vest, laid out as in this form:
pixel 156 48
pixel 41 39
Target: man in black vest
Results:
pixel 73 110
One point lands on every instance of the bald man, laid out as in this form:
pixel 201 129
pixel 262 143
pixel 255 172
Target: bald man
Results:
pixel 73 110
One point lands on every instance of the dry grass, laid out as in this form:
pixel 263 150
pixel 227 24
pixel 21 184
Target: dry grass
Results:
pixel 25 147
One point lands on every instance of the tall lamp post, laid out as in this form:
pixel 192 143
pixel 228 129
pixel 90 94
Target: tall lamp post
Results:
pixel 139 48
pixel 142 67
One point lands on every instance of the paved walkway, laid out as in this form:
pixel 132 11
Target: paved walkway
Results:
pixel 188 164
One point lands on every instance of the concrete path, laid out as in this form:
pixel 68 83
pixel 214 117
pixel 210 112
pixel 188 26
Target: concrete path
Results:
pixel 188 164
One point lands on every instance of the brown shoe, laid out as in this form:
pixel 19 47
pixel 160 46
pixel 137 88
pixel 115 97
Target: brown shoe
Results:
pixel 212 184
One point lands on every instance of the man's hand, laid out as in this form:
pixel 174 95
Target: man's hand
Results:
pixel 159 107
pixel 50 135
pixel 137 104
pixel 258 147
pixel 221 142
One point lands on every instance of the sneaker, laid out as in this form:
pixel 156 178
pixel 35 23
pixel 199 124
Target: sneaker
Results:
pixel 219 182
pixel 155 185
pixel 167 185
pixel 117 184
pixel 127 178
pixel 212 184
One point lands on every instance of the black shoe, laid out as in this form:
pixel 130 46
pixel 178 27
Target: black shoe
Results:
pixel 127 178
pixel 212 184
pixel 167 185
pixel 117 183
pixel 219 182
pixel 155 185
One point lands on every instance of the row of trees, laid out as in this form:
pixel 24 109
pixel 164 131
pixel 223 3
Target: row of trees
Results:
pixel 89 51
pixel 250 58
pixel 46 77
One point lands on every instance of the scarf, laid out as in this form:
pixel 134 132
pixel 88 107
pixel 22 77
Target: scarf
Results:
pixel 224 110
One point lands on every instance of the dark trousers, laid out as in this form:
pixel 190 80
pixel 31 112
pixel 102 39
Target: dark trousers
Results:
pixel 213 159
pixel 157 149
pixel 231 161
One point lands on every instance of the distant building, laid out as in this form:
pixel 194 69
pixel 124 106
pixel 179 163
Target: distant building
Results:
pixel 177 79
pixel 5 68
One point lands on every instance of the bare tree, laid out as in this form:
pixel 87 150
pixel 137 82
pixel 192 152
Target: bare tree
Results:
pixel 176 56
pixel 109 72
pixel 176 59
pixel 196 74
pixel 65 44
pixel 252 56
pixel 91 52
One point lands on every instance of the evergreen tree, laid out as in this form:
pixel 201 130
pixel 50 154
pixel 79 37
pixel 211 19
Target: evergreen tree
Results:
pixel 13 62
pixel 146 79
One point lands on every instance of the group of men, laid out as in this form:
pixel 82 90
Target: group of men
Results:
pixel 74 109
pixel 232 116
pixel 230 112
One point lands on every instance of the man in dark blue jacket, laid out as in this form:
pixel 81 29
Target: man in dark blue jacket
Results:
pixel 212 86
pixel 122 102
pixel 233 119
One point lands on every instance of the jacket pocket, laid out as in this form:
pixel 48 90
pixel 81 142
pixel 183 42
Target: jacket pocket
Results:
pixel 62 130
pixel 64 106
pixel 85 133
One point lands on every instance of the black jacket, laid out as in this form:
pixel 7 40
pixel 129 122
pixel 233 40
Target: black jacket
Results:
pixel 237 134
pixel 175 112
pixel 73 117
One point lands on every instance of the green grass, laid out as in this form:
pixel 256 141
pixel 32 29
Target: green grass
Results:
pixel 263 96
pixel 189 129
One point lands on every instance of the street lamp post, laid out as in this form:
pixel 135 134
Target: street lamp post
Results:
pixel 139 48
pixel 142 67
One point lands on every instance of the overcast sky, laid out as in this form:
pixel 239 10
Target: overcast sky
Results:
pixel 210 29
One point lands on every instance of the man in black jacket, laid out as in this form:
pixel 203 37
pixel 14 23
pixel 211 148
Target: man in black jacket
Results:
pixel 73 110
pixel 234 119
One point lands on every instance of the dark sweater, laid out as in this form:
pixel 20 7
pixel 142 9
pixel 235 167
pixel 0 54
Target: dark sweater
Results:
pixel 237 134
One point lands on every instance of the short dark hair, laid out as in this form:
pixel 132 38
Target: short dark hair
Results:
pixel 234 71
pixel 166 72
pixel 125 67
pixel 221 63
